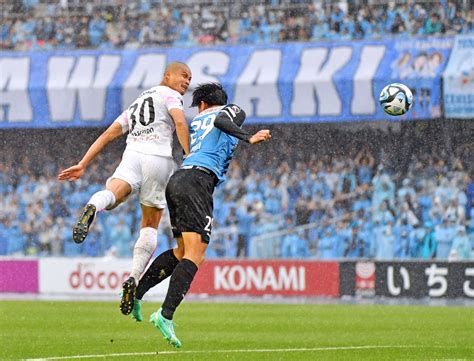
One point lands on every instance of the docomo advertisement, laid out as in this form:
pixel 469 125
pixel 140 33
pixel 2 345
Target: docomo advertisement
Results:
pixel 87 276
pixel 257 278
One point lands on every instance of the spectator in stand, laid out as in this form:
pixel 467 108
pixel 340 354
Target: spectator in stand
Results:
pixel 407 215
pixel 455 212
pixel 16 239
pixel 384 244
pixel 403 238
pixel 436 213
pixel 383 214
pixel 216 248
pixel 384 188
pixel 320 189
pixel 444 234
pixel 120 236
pixel 92 248
pixel 398 26
pixel 355 245
pixel 458 23
pixel 433 25
pixel 44 25
pixel 406 191
pixel 246 218
pixel 327 244
pixel 343 236
pixel 469 184
pixel 96 29
pixel 461 249
pixel 288 242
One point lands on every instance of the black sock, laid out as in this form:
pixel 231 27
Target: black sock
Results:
pixel 161 268
pixel 180 283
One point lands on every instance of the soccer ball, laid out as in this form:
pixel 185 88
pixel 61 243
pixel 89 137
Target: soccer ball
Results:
pixel 396 99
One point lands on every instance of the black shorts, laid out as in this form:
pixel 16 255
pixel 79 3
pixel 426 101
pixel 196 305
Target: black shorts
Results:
pixel 189 197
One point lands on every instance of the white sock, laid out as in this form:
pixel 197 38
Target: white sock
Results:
pixel 143 251
pixel 102 200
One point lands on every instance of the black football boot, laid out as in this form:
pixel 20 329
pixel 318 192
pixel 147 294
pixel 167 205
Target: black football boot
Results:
pixel 81 228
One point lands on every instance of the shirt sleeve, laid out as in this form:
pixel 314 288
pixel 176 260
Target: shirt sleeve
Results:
pixel 230 120
pixel 173 100
pixel 122 119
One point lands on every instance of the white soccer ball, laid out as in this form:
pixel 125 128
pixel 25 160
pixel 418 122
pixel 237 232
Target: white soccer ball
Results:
pixel 396 99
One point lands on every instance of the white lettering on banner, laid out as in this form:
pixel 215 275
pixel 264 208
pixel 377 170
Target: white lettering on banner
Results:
pixel 15 105
pixel 396 290
pixel 363 101
pixel 288 279
pixel 83 77
pixel 423 44
pixel 258 84
pixel 269 279
pixel 146 73
pixel 205 66
pixel 302 277
pixel 468 291
pixel 437 276
pixel 233 278
pixel 220 281
pixel 237 278
pixel 315 77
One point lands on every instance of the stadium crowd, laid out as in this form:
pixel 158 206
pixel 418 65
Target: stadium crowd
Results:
pixel 310 193
pixel 108 24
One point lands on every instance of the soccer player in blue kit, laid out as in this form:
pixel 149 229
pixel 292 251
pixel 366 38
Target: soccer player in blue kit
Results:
pixel 214 134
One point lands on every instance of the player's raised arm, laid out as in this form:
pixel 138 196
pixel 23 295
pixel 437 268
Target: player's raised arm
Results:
pixel 230 120
pixel 76 171
pixel 182 130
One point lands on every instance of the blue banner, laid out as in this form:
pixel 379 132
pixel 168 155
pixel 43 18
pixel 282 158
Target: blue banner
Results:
pixel 299 82
pixel 459 79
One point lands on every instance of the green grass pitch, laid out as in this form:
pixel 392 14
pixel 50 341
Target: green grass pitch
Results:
pixel 232 331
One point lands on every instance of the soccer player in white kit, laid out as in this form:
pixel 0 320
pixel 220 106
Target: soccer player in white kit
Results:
pixel 146 165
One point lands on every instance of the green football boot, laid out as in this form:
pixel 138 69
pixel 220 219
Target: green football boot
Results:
pixel 166 328
pixel 137 310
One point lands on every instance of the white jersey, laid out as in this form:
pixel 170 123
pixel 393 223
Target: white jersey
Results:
pixel 148 122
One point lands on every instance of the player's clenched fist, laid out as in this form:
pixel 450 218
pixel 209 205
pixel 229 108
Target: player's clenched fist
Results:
pixel 260 136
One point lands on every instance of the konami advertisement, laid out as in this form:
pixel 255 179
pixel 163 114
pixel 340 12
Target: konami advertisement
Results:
pixel 257 278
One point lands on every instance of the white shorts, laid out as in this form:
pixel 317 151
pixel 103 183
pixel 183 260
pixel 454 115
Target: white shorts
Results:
pixel 147 174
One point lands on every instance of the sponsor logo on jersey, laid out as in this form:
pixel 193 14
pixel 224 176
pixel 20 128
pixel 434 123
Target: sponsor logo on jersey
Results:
pixel 137 133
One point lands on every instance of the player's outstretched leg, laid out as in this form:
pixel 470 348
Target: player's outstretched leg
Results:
pixel 99 201
pixel 137 310
pixel 128 296
pixel 81 228
pixel 166 328
pixel 180 283
pixel 160 269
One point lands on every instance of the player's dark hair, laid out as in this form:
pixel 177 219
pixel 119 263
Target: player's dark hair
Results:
pixel 210 93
